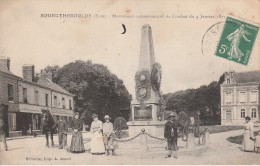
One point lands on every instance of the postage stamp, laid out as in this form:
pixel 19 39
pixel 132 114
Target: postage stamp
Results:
pixel 237 41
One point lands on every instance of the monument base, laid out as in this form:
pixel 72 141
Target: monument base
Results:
pixel 155 128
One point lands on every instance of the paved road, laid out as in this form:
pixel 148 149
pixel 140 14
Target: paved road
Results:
pixel 33 151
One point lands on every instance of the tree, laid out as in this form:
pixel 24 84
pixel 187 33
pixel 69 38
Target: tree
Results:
pixel 205 99
pixel 96 89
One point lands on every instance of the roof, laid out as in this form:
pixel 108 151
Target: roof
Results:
pixel 48 83
pixel 246 77
pixel 5 70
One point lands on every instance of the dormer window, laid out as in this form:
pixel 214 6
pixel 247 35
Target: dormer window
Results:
pixel 228 81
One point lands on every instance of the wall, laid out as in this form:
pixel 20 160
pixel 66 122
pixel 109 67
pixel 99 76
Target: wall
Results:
pixel 6 79
pixel 235 106
pixel 32 106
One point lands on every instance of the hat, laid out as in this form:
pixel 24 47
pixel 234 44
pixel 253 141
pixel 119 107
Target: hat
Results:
pixel 172 114
pixel 94 115
pixel 107 117
pixel 76 113
pixel 247 118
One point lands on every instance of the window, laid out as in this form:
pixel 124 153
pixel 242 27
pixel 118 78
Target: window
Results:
pixel 36 97
pixel 25 95
pixel 243 113
pixel 10 92
pixel 46 100
pixel 70 105
pixel 253 97
pixel 228 97
pixel 55 101
pixel 253 113
pixel 242 97
pixel 63 103
pixel 228 80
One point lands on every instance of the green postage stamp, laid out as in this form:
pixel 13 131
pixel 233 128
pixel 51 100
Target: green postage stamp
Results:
pixel 237 41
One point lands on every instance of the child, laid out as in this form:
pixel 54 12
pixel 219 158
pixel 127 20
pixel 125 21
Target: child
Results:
pixel 257 143
pixel 107 134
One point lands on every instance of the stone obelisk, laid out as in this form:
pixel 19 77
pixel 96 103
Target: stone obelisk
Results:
pixel 146 110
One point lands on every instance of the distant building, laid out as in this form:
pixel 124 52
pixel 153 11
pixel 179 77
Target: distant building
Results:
pixel 240 97
pixel 30 97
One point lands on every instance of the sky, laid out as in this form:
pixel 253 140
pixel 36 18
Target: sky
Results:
pixel 29 38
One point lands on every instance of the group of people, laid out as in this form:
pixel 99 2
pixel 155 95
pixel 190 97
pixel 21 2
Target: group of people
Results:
pixel 250 143
pixel 101 140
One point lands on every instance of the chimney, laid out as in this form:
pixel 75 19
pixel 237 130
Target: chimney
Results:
pixel 5 61
pixel 47 75
pixel 28 72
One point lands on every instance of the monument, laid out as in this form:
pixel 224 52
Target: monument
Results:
pixel 147 106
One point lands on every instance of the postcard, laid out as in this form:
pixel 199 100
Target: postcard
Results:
pixel 113 82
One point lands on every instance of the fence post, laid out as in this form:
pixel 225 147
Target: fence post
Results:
pixel 206 138
pixel 144 141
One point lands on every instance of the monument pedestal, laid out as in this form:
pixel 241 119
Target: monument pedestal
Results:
pixel 155 128
pixel 150 118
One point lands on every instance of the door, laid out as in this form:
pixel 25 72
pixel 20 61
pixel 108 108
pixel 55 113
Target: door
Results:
pixel 228 116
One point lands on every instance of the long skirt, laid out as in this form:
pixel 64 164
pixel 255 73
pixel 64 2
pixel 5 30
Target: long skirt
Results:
pixel 172 144
pixel 97 143
pixel 77 144
pixel 190 141
pixel 248 144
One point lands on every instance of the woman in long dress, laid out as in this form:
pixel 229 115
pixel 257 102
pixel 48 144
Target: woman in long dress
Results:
pixel 77 144
pixel 235 39
pixel 190 144
pixel 248 141
pixel 97 143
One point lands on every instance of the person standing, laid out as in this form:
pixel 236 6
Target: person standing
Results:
pixel 77 144
pixel 62 132
pixel 190 144
pixel 2 133
pixel 97 143
pixel 257 143
pixel 107 134
pixel 171 134
pixel 249 138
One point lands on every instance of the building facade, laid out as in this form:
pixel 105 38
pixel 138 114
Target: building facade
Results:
pixel 240 97
pixel 30 97
pixel 8 92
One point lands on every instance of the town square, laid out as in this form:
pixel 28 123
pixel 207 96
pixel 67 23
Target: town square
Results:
pixel 129 87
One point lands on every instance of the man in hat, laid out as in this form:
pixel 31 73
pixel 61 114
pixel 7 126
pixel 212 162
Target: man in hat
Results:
pixel 171 134
pixel 107 135
pixel 62 132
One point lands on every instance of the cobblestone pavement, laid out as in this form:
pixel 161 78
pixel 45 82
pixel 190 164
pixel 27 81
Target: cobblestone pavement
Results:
pixel 220 151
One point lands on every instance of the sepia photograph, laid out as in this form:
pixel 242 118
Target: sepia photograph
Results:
pixel 113 82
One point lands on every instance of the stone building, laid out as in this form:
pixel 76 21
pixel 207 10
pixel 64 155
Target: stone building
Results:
pixel 8 92
pixel 31 97
pixel 240 97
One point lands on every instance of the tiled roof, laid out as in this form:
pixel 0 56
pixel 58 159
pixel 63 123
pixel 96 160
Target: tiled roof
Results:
pixel 246 77
pixel 48 83
pixel 5 70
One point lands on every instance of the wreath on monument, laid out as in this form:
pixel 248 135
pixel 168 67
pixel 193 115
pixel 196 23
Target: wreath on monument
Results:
pixel 142 85
pixel 156 76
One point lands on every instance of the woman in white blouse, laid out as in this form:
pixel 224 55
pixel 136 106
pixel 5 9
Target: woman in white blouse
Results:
pixel 97 143
pixel 249 138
